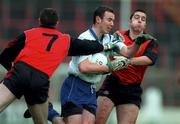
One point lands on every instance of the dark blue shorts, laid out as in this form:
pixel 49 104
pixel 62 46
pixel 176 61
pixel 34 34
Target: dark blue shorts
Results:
pixel 77 95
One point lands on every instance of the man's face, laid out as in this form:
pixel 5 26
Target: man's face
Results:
pixel 107 22
pixel 138 22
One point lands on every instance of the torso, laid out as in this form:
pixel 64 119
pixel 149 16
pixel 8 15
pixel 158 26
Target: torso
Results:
pixel 44 49
pixel 73 66
pixel 132 74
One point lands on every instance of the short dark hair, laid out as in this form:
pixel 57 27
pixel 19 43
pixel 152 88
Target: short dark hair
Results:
pixel 48 17
pixel 100 12
pixel 137 10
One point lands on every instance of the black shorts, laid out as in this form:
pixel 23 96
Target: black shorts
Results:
pixel 70 109
pixel 28 81
pixel 119 93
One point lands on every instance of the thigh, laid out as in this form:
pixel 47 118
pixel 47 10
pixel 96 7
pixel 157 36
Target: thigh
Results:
pixel 127 113
pixel 6 97
pixel 88 117
pixel 73 119
pixel 39 112
pixel 104 108
pixel 58 120
pixel 85 118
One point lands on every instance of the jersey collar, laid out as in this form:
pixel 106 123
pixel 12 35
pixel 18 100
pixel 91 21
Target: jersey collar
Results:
pixel 95 36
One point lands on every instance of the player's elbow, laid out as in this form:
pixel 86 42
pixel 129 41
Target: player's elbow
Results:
pixel 82 68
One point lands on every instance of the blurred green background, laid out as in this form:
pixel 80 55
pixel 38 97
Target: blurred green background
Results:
pixel 161 85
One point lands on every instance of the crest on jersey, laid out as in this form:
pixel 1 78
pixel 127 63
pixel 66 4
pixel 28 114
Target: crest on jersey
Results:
pixel 121 37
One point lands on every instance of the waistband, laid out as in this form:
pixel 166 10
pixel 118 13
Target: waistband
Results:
pixel 32 68
pixel 92 84
pixel 115 78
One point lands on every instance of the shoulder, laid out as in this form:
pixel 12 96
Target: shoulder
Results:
pixel 32 29
pixel 107 38
pixel 122 34
pixel 154 41
pixel 153 44
pixel 86 35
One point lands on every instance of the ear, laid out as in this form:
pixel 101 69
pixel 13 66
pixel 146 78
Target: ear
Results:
pixel 98 19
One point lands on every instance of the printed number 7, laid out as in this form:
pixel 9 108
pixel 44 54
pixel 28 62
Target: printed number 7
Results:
pixel 54 37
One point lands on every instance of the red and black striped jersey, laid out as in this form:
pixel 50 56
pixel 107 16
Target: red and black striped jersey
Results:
pixel 134 74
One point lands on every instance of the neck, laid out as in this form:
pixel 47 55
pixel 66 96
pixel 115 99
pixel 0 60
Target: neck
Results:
pixel 97 31
pixel 134 34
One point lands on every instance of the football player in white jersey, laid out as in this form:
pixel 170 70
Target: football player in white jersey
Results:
pixel 78 95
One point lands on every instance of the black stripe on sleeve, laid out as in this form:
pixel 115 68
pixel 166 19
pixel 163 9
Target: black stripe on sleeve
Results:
pixel 84 47
pixel 152 52
pixel 9 54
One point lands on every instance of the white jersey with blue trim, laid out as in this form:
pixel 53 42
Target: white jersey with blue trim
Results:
pixel 73 66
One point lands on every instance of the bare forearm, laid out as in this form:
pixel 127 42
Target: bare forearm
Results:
pixel 143 60
pixel 92 68
pixel 129 51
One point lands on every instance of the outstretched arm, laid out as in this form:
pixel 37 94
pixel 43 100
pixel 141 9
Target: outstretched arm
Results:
pixel 11 51
pixel 129 51
pixel 150 55
pixel 86 47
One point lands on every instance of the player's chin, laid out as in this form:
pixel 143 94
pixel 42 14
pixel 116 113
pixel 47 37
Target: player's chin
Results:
pixel 138 30
pixel 107 31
